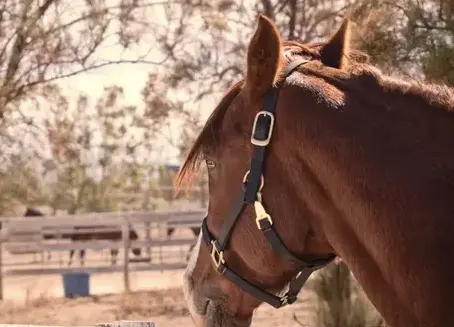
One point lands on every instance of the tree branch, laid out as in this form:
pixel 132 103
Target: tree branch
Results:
pixel 292 20
pixel 268 9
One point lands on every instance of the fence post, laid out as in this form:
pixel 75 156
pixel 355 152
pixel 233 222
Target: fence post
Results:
pixel 126 323
pixel 148 238
pixel 126 247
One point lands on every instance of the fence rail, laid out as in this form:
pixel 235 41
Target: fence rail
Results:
pixel 35 247
pixel 105 218
pixel 24 236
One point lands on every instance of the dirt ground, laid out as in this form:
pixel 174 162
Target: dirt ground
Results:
pixel 156 296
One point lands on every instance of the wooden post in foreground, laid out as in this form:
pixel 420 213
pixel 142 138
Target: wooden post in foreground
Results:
pixel 126 323
pixel 126 247
pixel 121 323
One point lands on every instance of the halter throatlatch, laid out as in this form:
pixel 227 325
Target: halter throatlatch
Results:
pixel 251 193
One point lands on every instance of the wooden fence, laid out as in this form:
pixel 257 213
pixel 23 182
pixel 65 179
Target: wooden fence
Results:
pixel 27 237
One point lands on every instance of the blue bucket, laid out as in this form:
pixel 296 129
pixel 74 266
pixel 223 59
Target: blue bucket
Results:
pixel 76 284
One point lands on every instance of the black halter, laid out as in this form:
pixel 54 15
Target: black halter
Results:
pixel 253 183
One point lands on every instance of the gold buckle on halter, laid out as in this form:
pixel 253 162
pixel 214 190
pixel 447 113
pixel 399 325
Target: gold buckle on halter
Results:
pixel 266 141
pixel 262 180
pixel 261 214
pixel 216 256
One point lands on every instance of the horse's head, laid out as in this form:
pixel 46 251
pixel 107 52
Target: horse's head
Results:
pixel 238 260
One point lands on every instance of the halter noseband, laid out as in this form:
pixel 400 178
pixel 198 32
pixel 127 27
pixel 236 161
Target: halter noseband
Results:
pixel 253 183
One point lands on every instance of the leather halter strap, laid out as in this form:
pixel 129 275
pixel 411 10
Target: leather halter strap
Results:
pixel 251 194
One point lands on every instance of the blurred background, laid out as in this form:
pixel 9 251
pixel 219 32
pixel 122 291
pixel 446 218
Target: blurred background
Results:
pixel 100 99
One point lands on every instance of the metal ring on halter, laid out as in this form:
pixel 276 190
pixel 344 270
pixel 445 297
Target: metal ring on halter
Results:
pixel 262 180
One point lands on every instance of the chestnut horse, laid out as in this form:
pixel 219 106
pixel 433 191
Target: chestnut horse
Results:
pixel 359 165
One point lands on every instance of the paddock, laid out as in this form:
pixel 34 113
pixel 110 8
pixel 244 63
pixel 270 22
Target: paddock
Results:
pixel 39 245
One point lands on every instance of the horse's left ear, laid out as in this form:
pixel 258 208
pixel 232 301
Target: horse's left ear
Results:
pixel 335 52
pixel 264 58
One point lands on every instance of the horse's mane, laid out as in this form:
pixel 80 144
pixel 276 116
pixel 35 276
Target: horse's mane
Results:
pixel 358 73
pixel 206 135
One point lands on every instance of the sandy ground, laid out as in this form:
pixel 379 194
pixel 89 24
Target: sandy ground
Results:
pixel 23 289
pixel 156 296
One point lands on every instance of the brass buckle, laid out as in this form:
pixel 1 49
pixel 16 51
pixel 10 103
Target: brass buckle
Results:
pixel 262 180
pixel 216 256
pixel 270 131
pixel 261 214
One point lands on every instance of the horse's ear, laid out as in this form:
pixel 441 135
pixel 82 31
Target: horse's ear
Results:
pixel 335 52
pixel 264 58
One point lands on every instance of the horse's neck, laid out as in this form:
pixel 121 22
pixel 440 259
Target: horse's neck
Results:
pixel 388 177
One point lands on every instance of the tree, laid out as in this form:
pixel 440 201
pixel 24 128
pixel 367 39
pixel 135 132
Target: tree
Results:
pixel 43 41
pixel 100 150
pixel 409 37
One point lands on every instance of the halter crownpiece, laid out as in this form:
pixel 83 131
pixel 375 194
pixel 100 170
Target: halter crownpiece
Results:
pixel 251 193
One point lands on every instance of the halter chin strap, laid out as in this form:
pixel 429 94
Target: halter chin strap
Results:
pixel 253 183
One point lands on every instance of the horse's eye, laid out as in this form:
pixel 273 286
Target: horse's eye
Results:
pixel 210 164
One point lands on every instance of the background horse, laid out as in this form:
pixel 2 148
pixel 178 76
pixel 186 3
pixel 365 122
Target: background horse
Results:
pixel 114 233
pixel 352 163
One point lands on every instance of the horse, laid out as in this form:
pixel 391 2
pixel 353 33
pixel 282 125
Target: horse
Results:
pixel 114 233
pixel 317 154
